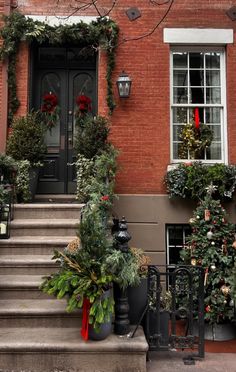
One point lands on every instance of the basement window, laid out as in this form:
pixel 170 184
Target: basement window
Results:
pixel 175 238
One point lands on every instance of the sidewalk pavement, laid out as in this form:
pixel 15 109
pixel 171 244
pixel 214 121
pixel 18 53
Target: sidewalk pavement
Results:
pixel 172 361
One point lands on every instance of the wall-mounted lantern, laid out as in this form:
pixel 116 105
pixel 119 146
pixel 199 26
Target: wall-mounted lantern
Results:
pixel 4 221
pixel 124 85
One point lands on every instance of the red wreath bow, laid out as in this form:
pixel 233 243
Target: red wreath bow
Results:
pixel 84 103
pixel 50 102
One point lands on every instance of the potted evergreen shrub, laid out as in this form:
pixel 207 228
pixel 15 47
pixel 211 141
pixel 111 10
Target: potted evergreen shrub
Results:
pixel 212 245
pixel 26 143
pixel 83 277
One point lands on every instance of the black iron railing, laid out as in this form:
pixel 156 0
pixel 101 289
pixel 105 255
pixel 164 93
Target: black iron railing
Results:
pixel 174 314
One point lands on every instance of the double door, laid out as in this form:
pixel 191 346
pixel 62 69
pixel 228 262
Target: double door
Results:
pixel 66 84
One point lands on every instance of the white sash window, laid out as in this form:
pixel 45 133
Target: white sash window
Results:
pixel 198 83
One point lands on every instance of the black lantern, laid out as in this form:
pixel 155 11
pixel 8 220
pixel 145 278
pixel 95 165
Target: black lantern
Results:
pixel 4 221
pixel 124 85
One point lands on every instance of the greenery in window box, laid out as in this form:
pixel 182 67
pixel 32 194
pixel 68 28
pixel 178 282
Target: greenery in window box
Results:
pixel 190 180
pixel 101 33
pixel 194 140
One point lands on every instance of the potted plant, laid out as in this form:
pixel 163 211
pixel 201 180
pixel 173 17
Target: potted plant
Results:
pixel 212 246
pixel 83 277
pixel 26 143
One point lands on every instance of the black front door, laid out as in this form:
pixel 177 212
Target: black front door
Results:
pixel 65 74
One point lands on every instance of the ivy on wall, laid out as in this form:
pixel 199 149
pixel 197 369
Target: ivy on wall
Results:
pixel 101 33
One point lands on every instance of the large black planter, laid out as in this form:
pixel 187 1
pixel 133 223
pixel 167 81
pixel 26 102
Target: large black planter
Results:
pixel 137 297
pixel 105 329
pixel 102 334
pixel 217 332
pixel 164 327
pixel 220 332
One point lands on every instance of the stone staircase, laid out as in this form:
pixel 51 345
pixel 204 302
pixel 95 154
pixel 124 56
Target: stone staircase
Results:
pixel 36 332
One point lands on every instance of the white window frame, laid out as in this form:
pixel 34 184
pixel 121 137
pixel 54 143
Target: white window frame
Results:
pixel 174 246
pixel 201 48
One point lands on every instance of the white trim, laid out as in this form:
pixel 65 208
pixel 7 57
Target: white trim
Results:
pixel 61 20
pixel 198 36
pixel 224 140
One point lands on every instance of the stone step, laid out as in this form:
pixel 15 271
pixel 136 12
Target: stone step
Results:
pixel 44 227
pixel 37 313
pixel 55 198
pixel 48 211
pixel 62 349
pixel 27 264
pixel 40 245
pixel 22 287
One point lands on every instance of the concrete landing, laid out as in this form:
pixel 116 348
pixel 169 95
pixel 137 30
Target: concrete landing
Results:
pixel 50 349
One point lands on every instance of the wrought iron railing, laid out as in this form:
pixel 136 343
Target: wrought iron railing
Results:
pixel 174 314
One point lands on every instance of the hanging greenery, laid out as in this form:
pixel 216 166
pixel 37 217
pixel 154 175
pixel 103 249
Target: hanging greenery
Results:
pixel 101 33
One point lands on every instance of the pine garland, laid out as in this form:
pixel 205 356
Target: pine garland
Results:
pixel 101 33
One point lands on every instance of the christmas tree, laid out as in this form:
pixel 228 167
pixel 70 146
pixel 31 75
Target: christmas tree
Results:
pixel 212 245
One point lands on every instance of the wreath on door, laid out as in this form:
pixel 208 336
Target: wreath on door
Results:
pixel 50 110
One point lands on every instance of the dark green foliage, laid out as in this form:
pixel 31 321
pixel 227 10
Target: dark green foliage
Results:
pixel 4 194
pixel 8 168
pixel 27 139
pixel 190 180
pixel 91 135
pixel 103 33
pixel 216 254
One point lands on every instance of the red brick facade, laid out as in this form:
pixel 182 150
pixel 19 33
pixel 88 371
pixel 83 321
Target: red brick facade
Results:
pixel 141 123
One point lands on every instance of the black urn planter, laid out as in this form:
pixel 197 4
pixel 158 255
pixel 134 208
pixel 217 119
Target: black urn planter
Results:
pixel 104 331
pixel 137 297
pixel 105 328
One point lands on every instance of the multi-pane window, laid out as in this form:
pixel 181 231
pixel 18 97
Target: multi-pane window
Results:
pixel 198 83
pixel 175 238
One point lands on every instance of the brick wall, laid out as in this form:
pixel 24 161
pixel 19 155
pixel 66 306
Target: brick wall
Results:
pixel 140 124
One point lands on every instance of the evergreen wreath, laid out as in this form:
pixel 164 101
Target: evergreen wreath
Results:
pixel 100 33
pixel 50 110
pixel 195 140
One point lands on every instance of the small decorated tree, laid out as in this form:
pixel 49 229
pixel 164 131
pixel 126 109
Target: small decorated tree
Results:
pixel 212 245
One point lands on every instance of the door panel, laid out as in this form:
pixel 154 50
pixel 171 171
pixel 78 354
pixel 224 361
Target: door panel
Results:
pixel 67 83
pixel 80 83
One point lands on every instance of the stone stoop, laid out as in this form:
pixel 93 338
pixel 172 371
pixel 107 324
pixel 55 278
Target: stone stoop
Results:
pixel 36 332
